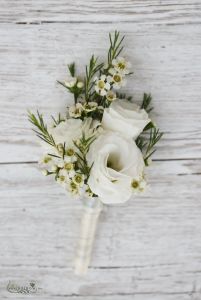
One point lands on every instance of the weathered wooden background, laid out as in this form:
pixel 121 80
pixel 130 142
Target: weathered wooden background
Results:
pixel 149 248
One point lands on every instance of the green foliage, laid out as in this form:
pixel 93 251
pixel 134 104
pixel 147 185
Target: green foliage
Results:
pixel 42 131
pixel 123 96
pixel 115 46
pixel 149 126
pixel 146 102
pixel 58 121
pixel 140 142
pixel 83 147
pixel 155 136
pixel 147 147
pixel 91 70
pixel 71 68
pixel 73 90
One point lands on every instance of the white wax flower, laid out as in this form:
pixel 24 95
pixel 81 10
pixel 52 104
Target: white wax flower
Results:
pixel 118 79
pixel 111 96
pixel 75 111
pixel 125 117
pixel 70 82
pixel 116 162
pixel 121 65
pixel 102 85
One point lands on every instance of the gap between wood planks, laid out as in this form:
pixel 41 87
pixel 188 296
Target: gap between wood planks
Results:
pixel 94 22
pixel 190 293
pixel 162 159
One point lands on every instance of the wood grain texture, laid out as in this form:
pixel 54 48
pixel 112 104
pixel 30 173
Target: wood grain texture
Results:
pixel 149 11
pixel 148 247
pixel 166 62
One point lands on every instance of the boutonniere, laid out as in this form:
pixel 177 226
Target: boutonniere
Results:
pixel 99 148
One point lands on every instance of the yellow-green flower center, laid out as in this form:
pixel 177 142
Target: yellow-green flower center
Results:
pixel 101 84
pixel 117 78
pixel 47 159
pixel 77 111
pixel 78 179
pixel 62 178
pixel 70 152
pixel 135 184
pixel 110 96
pixel 121 65
pixel 73 186
pixel 68 166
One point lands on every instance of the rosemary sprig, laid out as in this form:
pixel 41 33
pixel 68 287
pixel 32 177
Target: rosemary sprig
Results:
pixel 140 142
pixel 42 131
pixel 147 147
pixel 91 70
pixel 75 90
pixel 115 46
pixel 83 148
pixel 71 68
pixel 155 136
pixel 146 102
pixel 57 121
pixel 123 96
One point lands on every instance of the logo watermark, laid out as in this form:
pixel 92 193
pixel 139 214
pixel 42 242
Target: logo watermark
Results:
pixel 28 288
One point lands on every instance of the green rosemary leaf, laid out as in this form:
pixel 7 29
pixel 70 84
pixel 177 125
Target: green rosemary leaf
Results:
pixel 42 131
pixel 91 70
pixel 115 46
pixel 146 102
pixel 149 126
pixel 71 68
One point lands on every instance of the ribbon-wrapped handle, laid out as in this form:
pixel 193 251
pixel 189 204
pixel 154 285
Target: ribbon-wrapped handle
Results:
pixel 91 212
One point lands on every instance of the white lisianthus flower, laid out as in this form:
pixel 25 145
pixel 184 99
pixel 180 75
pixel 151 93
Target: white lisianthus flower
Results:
pixel 102 85
pixel 116 162
pixel 121 65
pixel 125 117
pixel 67 132
pixel 71 130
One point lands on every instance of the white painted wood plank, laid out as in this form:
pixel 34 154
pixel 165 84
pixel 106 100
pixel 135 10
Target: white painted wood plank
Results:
pixel 148 296
pixel 131 284
pixel 166 61
pixel 149 246
pixel 151 11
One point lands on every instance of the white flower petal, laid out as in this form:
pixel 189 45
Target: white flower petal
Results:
pixel 112 185
pixel 107 86
pixel 125 117
pixel 103 77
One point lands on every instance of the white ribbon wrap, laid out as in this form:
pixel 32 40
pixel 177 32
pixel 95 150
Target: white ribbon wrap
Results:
pixel 91 212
